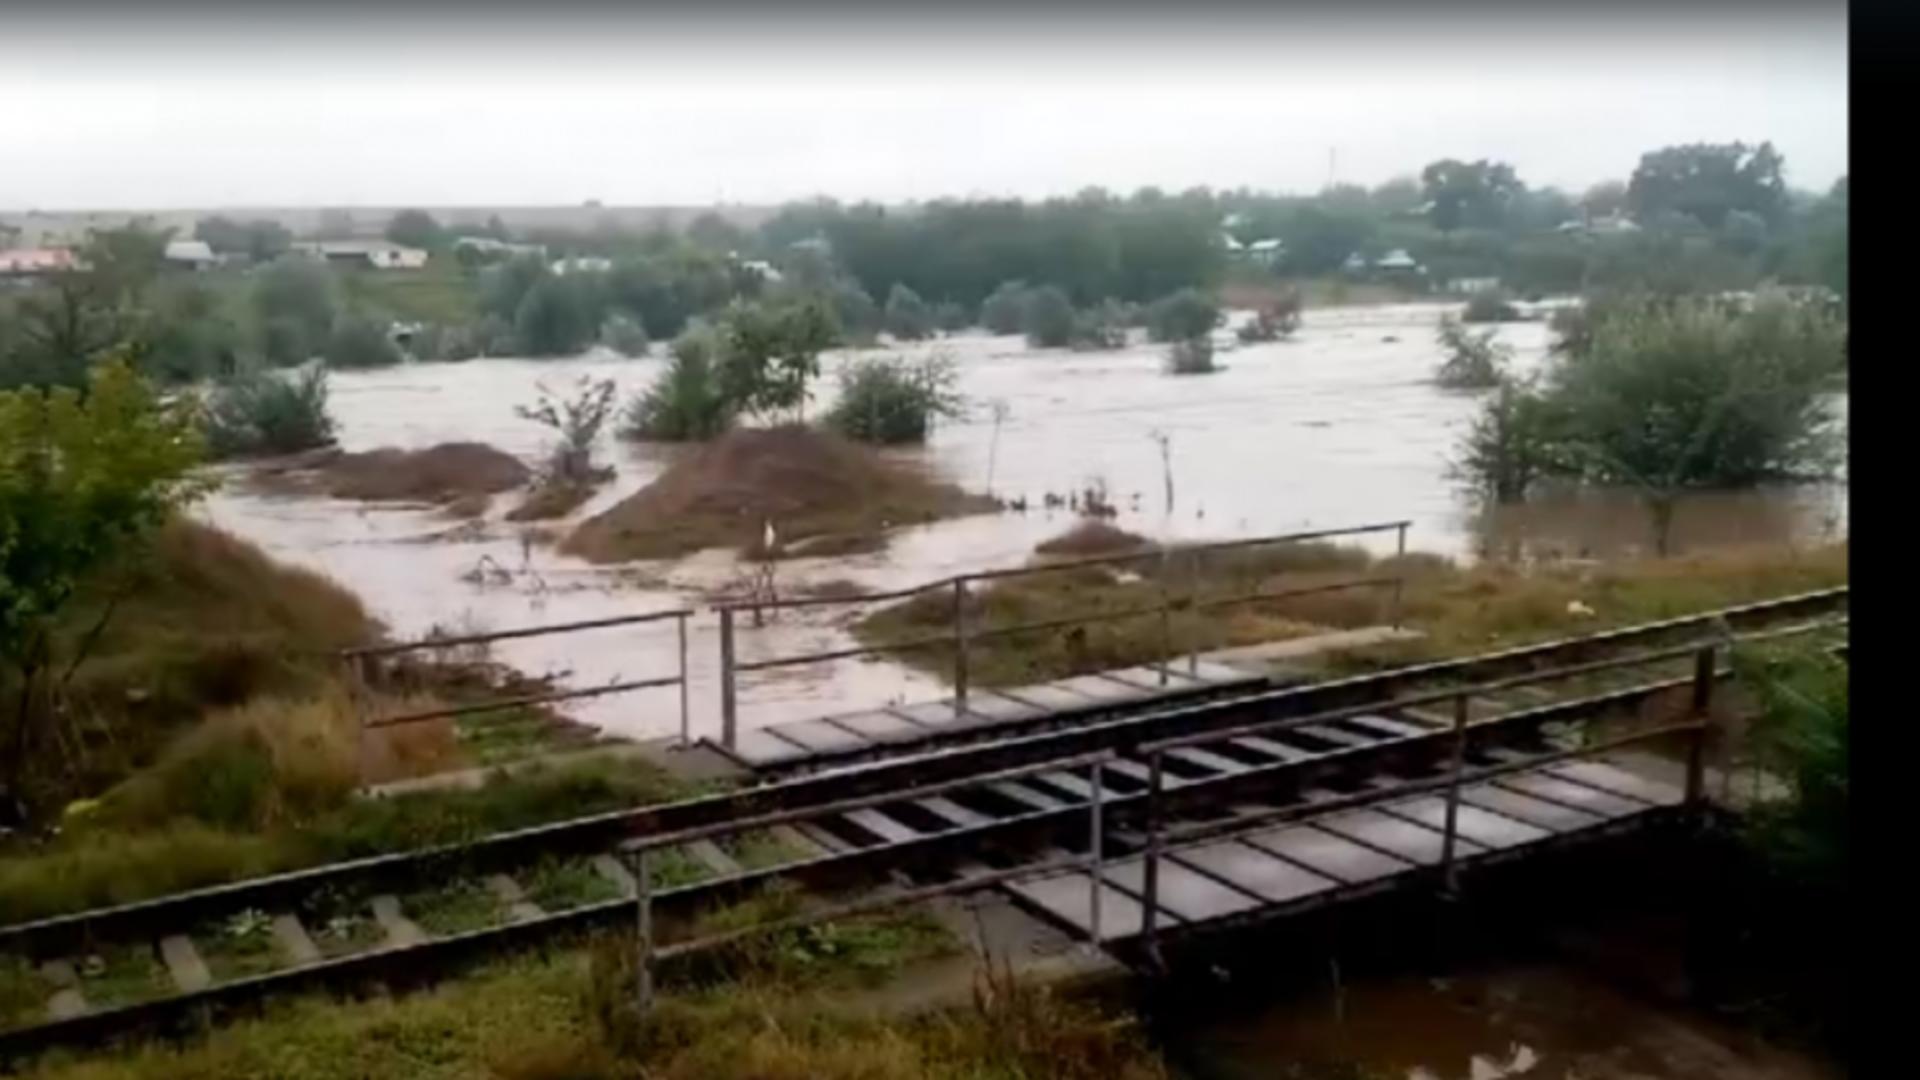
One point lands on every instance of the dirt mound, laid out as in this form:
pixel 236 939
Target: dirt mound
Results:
pixel 1091 538
pixel 820 491
pixel 443 473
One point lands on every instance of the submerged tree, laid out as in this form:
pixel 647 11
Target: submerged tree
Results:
pixel 890 401
pixel 685 402
pixel 908 317
pixel 1474 361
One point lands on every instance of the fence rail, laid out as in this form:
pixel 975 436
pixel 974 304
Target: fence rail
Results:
pixel 962 635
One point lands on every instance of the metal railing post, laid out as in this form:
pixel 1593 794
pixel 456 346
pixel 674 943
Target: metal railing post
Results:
pixel 1096 863
pixel 357 695
pixel 643 931
pixel 686 724
pixel 1449 873
pixel 1399 575
pixel 1701 709
pixel 959 645
pixel 1193 612
pixel 1150 889
pixel 1166 617
pixel 729 718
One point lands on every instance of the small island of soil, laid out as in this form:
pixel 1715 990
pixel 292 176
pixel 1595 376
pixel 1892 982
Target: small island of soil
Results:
pixel 446 473
pixel 1091 538
pixel 822 493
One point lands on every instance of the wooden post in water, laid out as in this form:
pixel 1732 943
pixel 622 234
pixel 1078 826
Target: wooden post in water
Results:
pixel 729 720
pixel 1701 709
pixel 959 646
pixel 1449 873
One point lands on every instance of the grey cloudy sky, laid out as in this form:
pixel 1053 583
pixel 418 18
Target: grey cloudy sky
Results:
pixel 117 111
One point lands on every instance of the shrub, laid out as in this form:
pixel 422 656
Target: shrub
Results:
pixel 295 291
pixel 684 402
pixel 1103 326
pixel 266 413
pixel 1004 311
pixel 857 314
pixel 1510 445
pixel 625 335
pixel 578 420
pixel 1801 737
pixel 892 400
pixel 1273 321
pixel 1490 305
pixel 1182 316
pixel 950 316
pixel 908 317
pixel 284 342
pixel 360 343
pixel 558 316
pixel 1473 361
pixel 1047 318
pixel 1193 356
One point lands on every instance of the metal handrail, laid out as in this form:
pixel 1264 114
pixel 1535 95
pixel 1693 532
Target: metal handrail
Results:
pixel 422 644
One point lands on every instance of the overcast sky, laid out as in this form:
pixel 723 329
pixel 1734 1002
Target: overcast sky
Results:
pixel 113 111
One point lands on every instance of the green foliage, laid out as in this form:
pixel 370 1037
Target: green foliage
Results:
pixel 1474 361
pixel 1194 356
pixel 1100 326
pixel 415 228
pixel 358 342
pixel 1182 316
pixel 578 420
pixel 908 318
pixel 1490 306
pixel 892 401
pixel 1510 445
pixel 1801 738
pixel 296 301
pixel 625 335
pixel 950 316
pixel 1708 182
pixel 769 354
pixel 685 402
pixel 1046 317
pixel 1005 310
pixel 82 478
pixel 265 413
pixel 1477 194
pixel 259 241
pixel 859 317
pixel 559 315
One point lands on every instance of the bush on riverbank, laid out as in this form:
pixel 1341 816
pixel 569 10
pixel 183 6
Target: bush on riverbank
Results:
pixel 268 413
pixel 894 401
pixel 1194 356
pixel 811 485
pixel 1490 306
pixel 1474 361
pixel 685 402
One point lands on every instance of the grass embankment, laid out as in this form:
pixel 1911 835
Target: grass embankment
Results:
pixel 823 494
pixel 768 1012
pixel 1459 609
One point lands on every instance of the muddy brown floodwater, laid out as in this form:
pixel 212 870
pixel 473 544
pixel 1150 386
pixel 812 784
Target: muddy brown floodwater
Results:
pixel 1339 426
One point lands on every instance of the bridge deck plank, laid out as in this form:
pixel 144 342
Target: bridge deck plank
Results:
pixel 1482 826
pixel 1186 893
pixel 1252 870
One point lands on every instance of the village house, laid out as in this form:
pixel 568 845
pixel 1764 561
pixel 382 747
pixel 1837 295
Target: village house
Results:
pixel 28 263
pixel 377 254
pixel 191 254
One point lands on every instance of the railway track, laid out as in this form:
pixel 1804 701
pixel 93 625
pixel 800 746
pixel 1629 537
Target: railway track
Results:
pixel 973 808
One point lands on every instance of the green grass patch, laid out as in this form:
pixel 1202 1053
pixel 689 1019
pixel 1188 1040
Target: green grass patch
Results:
pixel 96 867
pixel 23 993
pixel 459 908
pixel 564 884
pixel 122 975
pixel 239 946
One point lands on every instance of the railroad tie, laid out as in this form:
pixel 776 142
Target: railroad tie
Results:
pixel 399 929
pixel 713 857
pixel 67 1000
pixel 611 869
pixel 519 908
pixel 184 964
pixel 294 940
pixel 797 840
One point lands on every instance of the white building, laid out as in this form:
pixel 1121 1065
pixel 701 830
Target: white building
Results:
pixel 378 254
pixel 582 264
pixel 192 254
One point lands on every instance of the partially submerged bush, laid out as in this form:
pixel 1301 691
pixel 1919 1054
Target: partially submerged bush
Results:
pixel 360 343
pixel 1510 445
pixel 1046 317
pixel 625 335
pixel 1004 311
pixel 577 419
pixel 950 316
pixel 1102 326
pixel 267 413
pixel 1474 361
pixel 1193 356
pixel 908 318
pixel 1490 305
pixel 894 400
pixel 685 402
pixel 1182 316
pixel 1272 322
pixel 858 316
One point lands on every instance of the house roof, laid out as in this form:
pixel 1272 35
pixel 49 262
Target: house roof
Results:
pixel 1397 259
pixel 1269 244
pixel 36 260
pixel 190 251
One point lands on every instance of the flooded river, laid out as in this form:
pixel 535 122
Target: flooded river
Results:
pixel 1339 426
